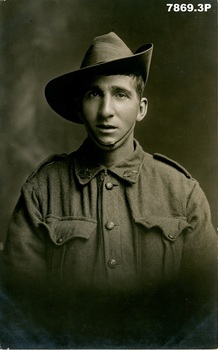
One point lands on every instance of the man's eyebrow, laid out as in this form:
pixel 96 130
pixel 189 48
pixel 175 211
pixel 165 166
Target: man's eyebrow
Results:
pixel 117 88
pixel 114 89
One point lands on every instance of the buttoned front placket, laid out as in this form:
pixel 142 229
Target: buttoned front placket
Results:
pixel 116 247
pixel 110 228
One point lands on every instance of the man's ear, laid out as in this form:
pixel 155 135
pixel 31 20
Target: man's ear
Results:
pixel 143 107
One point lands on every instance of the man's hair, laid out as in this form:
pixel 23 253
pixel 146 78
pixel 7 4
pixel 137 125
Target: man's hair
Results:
pixel 139 84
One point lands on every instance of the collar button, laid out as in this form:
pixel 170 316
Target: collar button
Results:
pixel 109 185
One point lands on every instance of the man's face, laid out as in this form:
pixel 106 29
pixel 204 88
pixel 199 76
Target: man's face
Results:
pixel 110 108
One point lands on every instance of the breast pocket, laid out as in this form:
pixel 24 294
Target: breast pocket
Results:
pixel 159 247
pixel 72 242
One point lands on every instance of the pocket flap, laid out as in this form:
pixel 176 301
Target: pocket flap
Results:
pixel 63 229
pixel 170 227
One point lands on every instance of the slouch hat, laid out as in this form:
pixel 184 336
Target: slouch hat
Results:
pixel 107 55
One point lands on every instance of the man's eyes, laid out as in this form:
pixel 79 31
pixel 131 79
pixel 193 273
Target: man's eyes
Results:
pixel 91 94
pixel 121 95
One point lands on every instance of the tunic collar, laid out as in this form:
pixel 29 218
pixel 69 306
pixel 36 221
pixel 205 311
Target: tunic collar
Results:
pixel 87 167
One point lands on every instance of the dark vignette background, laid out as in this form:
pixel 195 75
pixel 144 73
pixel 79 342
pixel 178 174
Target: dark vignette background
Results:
pixel 41 39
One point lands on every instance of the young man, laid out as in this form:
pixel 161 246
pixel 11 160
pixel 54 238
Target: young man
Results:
pixel 110 246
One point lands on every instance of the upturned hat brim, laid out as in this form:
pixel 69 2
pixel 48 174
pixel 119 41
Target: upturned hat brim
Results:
pixel 62 91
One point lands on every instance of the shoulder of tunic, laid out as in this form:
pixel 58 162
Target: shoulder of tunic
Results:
pixel 172 163
pixel 50 160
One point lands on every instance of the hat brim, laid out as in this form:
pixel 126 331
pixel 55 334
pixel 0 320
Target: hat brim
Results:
pixel 61 92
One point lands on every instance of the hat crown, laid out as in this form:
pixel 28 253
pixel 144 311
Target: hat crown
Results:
pixel 105 48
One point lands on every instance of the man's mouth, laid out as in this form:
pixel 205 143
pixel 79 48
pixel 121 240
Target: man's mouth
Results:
pixel 106 127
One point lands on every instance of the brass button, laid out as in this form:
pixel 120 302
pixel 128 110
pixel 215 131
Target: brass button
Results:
pixel 109 225
pixel 109 185
pixel 112 263
pixel 170 236
pixel 59 240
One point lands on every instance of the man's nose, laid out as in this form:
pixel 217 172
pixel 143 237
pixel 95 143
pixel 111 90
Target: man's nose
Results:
pixel 106 107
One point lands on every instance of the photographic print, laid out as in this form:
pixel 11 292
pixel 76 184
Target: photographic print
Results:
pixel 108 175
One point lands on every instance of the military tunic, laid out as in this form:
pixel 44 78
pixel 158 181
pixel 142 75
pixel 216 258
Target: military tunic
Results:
pixel 135 228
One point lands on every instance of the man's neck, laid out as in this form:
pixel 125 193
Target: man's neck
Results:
pixel 109 157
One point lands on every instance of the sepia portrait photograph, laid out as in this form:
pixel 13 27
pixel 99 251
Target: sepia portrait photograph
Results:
pixel 108 177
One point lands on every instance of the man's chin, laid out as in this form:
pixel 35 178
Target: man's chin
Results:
pixel 107 142
pixel 104 144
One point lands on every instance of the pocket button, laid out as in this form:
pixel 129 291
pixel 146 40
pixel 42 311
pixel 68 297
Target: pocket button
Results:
pixel 112 263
